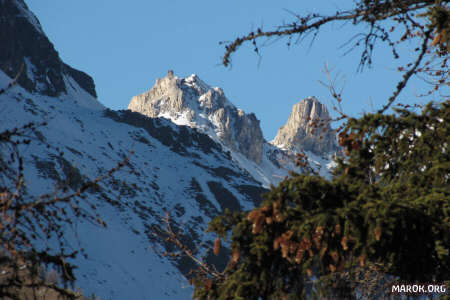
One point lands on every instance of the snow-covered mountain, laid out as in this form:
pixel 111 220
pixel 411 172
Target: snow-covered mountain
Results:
pixel 190 101
pixel 195 155
pixel 174 168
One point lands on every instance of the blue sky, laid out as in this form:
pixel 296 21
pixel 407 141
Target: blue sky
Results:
pixel 126 45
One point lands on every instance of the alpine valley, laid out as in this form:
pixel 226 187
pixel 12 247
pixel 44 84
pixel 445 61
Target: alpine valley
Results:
pixel 191 152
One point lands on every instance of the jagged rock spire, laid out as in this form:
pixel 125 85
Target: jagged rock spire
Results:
pixel 190 101
pixel 307 129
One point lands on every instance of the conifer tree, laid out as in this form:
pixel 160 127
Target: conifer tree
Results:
pixel 384 216
pixel 386 210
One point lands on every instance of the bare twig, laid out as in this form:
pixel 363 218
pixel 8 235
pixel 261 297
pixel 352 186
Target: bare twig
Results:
pixel 14 81
pixel 26 219
pixel 407 76
pixel 170 236
pixel 313 22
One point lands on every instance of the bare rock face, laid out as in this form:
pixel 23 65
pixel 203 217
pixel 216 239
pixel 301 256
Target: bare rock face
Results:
pixel 165 96
pixel 190 101
pixel 307 129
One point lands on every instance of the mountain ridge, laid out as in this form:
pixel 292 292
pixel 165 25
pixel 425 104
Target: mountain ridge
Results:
pixel 174 168
pixel 190 101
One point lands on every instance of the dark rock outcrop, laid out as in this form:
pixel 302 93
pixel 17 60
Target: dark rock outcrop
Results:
pixel 23 44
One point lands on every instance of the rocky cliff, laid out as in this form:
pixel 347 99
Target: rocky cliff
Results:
pixel 308 129
pixel 190 101
pixel 24 46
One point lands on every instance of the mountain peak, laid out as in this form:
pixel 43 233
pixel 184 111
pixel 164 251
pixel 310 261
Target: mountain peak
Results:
pixel 24 46
pixel 307 129
pixel 190 101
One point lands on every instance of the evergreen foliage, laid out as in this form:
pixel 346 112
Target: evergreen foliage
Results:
pixel 384 214
pixel 385 210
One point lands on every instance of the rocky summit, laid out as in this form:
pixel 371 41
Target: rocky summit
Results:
pixel 307 129
pixel 26 51
pixel 190 101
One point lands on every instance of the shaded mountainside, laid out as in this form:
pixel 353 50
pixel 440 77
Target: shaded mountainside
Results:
pixel 23 43
pixel 173 168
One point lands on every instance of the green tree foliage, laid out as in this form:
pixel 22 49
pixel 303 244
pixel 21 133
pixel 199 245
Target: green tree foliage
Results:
pixel 385 209
pixel 384 214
